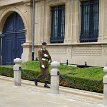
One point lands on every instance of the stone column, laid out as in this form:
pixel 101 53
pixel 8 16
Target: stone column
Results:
pixel 17 72
pixel 55 77
pixel 27 49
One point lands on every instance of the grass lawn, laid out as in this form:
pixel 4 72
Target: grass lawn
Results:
pixel 94 73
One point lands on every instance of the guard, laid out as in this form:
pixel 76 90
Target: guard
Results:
pixel 45 59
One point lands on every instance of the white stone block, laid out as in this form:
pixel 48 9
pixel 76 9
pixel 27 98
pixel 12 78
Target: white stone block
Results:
pixel 105 86
pixel 105 69
pixel 55 77
pixel 16 68
pixel 105 79
pixel 101 105
pixel 17 72
pixel 55 64
pixel 17 61
pixel 17 78
pixel 54 72
pixel 55 84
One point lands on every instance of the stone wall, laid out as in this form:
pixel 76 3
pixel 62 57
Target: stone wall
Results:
pixel 94 53
pixel 23 8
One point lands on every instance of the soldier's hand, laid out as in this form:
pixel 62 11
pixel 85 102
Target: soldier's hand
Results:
pixel 43 66
pixel 45 55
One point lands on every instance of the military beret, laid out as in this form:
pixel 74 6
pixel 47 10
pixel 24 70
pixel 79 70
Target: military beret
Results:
pixel 44 43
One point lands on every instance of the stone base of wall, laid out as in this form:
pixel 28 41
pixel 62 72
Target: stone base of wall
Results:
pixel 93 55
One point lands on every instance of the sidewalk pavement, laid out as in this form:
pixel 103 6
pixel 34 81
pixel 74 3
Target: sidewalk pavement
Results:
pixel 29 95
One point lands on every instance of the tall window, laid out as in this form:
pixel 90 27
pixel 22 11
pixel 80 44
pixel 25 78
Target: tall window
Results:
pixel 89 21
pixel 57 24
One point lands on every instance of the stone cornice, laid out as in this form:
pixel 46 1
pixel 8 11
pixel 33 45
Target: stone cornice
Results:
pixel 11 2
pixel 63 44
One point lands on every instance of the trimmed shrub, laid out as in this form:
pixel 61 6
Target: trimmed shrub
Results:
pixel 6 71
pixel 83 84
pixel 89 79
pixel 27 74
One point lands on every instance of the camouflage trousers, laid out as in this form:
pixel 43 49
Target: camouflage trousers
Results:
pixel 44 74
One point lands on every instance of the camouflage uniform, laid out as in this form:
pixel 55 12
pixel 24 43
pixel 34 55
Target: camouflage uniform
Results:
pixel 44 58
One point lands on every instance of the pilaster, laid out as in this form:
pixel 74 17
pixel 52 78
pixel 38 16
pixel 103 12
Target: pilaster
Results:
pixel 75 23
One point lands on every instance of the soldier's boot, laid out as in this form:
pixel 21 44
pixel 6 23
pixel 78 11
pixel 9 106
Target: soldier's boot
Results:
pixel 36 82
pixel 46 84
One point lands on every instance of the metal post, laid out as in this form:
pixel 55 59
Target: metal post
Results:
pixel 55 77
pixel 0 50
pixel 67 62
pixel 17 71
pixel 1 38
pixel 33 28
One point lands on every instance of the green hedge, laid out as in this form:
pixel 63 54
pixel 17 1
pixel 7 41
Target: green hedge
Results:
pixel 83 84
pixel 30 75
pixel 8 71
pixel 89 84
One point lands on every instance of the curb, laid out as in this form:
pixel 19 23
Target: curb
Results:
pixel 67 90
pixel 83 93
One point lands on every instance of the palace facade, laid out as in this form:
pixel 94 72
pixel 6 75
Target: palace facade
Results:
pixel 75 30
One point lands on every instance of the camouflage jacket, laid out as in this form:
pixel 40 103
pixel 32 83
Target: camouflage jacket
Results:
pixel 44 57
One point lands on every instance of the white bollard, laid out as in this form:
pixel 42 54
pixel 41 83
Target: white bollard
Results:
pixel 55 77
pixel 104 89
pixel 105 85
pixel 17 72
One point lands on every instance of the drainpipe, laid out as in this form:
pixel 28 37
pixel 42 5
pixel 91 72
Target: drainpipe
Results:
pixel 0 49
pixel 1 38
pixel 33 28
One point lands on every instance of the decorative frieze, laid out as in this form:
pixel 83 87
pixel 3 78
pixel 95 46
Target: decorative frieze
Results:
pixel 105 50
pixel 59 50
pixel 87 51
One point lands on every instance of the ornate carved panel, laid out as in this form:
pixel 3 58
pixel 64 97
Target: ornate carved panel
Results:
pixel 58 50
pixel 87 51
pixel 105 50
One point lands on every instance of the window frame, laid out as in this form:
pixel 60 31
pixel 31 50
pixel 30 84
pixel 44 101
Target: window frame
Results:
pixel 92 34
pixel 59 36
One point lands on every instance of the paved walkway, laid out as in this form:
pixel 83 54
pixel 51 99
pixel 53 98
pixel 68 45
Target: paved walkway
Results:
pixel 29 95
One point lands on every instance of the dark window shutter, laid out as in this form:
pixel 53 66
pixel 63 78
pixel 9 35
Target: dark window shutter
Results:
pixel 57 24
pixel 89 21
